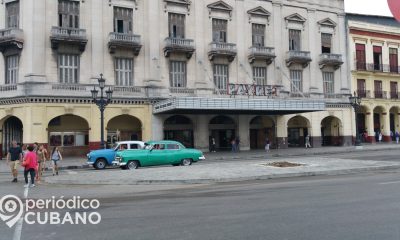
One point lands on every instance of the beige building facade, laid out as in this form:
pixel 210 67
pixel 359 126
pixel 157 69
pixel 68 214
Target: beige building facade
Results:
pixel 374 43
pixel 193 71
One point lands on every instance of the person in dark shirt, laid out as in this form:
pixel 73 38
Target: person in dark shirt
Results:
pixel 14 158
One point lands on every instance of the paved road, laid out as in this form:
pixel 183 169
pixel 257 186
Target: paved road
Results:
pixel 364 206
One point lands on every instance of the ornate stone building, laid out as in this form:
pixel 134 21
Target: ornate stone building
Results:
pixel 180 69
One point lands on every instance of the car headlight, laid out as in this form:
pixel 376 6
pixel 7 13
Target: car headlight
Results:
pixel 88 155
pixel 118 159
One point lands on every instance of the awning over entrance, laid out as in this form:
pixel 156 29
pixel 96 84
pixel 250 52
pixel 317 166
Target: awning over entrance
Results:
pixel 237 105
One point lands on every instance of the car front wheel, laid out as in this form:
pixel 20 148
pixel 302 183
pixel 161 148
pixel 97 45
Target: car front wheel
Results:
pixel 132 165
pixel 186 162
pixel 100 164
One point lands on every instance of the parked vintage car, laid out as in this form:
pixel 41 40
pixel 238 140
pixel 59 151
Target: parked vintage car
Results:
pixel 102 158
pixel 158 153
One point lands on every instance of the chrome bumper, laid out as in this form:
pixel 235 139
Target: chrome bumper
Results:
pixel 117 163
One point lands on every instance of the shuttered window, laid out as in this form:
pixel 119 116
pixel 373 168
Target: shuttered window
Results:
pixel 377 54
pixel 177 74
pixel 393 60
pixel 360 56
pixel 294 40
pixel 378 89
pixel 176 25
pixel 68 68
pixel 258 34
pixel 219 28
pixel 361 88
pixel 68 14
pixel 296 77
pixel 123 20
pixel 260 75
pixel 12 14
pixel 326 42
pixel 221 76
pixel 12 65
pixel 123 71
pixel 393 87
pixel 329 83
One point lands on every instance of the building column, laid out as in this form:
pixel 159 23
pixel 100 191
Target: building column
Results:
pixel 314 54
pixel 315 131
pixel 157 126
pixel 281 132
pixel 94 129
pixel 344 73
pixel 201 133
pixel 369 118
pixel 386 127
pixel 244 132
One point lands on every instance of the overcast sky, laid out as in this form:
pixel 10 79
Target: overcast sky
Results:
pixel 373 7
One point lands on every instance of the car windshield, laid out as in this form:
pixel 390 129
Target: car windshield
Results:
pixel 114 146
pixel 148 146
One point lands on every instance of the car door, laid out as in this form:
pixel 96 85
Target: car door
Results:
pixel 174 154
pixel 157 155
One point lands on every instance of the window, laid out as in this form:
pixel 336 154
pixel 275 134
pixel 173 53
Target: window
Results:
pixel 68 68
pixel 260 75
pixel 176 25
pixel 68 14
pixel 12 14
pixel 360 57
pixel 135 146
pixel 177 74
pixel 378 89
pixel 12 64
pixel 124 71
pixel 69 139
pixel 296 77
pixel 361 88
pixel 393 90
pixel 294 40
pixel 123 20
pixel 173 146
pixel 258 36
pixel 377 58
pixel 393 60
pixel 219 28
pixel 326 42
pixel 221 76
pixel 329 84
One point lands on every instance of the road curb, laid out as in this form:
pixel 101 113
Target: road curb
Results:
pixel 52 180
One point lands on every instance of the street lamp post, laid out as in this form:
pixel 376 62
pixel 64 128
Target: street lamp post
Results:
pixel 355 102
pixel 102 102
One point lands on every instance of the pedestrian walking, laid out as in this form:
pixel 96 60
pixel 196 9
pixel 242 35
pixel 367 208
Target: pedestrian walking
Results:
pixel 30 164
pixel 42 157
pixel 308 145
pixel 237 144
pixel 14 157
pixel 213 145
pixel 380 137
pixel 267 144
pixel 55 158
pixel 397 135
pixel 233 143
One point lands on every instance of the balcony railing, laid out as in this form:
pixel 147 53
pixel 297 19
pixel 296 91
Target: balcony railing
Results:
pixel 362 93
pixel 182 91
pixel 300 57
pixel 11 37
pixel 261 53
pixel 75 36
pixel 373 67
pixel 378 94
pixel 124 41
pixel 124 37
pixel 7 88
pixel 394 95
pixel 179 45
pixel 222 49
pixel 329 59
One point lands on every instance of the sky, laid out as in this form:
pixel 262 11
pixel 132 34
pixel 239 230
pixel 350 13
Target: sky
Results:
pixel 373 7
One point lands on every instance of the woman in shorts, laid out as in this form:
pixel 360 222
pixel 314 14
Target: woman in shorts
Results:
pixel 55 157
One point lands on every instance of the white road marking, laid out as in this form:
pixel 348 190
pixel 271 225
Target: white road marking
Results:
pixel 385 183
pixel 18 228
pixel 71 172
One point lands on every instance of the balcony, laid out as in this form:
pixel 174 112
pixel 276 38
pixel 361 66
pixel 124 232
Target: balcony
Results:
pixel 179 45
pixel 329 59
pixel 362 93
pixel 219 49
pixel 378 68
pixel 298 57
pixel 70 36
pixel 124 41
pixel 11 38
pixel 394 95
pixel 261 53
pixel 378 94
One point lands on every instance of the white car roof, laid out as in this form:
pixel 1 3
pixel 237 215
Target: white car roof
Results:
pixel 130 142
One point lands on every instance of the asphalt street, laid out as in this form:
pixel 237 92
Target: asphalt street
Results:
pixel 362 206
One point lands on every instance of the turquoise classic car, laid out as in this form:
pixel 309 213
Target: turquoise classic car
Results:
pixel 158 153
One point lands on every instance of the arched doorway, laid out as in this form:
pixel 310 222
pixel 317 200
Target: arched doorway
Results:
pixel 331 131
pixel 261 128
pixel 394 121
pixel 223 130
pixel 298 129
pixel 71 133
pixel 179 128
pixel 12 130
pixel 124 128
pixel 379 111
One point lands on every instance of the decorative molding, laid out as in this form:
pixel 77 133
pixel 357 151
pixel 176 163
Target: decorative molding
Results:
pixel 259 12
pixel 136 2
pixel 295 19
pixel 182 3
pixel 220 6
